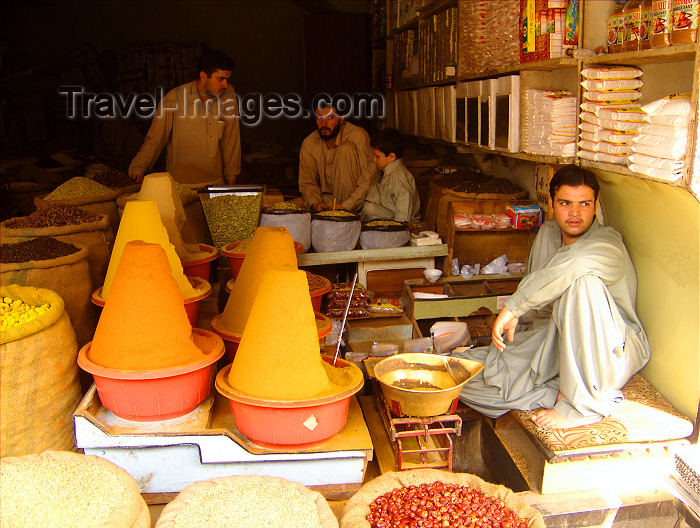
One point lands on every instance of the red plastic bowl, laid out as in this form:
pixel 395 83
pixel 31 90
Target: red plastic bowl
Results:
pixel 280 423
pixel 235 259
pixel 201 267
pixel 156 395
pixel 193 305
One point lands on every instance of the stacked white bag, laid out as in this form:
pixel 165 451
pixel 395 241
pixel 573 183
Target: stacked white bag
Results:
pixel 548 123
pixel 610 115
pixel 659 148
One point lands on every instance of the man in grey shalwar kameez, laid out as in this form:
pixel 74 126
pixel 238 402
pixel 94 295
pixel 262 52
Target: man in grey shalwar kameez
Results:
pixel 578 338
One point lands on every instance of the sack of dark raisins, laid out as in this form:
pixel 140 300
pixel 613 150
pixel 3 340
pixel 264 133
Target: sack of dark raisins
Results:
pixel 45 262
pixel 69 224
pixel 404 498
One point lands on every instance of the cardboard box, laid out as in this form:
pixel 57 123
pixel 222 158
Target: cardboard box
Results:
pixel 450 113
pixel 506 125
pixel 525 215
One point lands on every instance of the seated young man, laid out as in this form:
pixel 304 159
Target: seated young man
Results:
pixel 576 339
pixel 395 197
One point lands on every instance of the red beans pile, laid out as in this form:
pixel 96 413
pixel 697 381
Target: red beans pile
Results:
pixel 438 505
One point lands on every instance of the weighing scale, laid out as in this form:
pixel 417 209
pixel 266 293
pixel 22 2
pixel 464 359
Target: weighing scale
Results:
pixel 164 457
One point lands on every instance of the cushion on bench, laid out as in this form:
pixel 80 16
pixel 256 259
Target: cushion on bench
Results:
pixel 643 417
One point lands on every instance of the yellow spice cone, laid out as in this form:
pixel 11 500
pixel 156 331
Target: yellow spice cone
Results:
pixel 279 355
pixel 141 221
pixel 143 325
pixel 270 246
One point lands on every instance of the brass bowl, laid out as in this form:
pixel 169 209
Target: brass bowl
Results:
pixel 423 384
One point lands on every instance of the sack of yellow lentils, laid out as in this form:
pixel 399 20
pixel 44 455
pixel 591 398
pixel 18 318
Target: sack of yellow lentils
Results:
pixel 56 489
pixel 71 224
pixel 39 385
pixel 45 262
pixel 247 501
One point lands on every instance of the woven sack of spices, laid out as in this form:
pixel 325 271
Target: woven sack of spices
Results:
pixel 57 489
pixel 243 501
pixel 67 275
pixel 335 231
pixel 380 234
pixel 297 222
pixel 358 506
pixel 39 386
pixel 101 204
pixel 96 235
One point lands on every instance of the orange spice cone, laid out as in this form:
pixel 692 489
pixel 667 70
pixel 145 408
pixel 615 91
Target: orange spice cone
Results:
pixel 279 355
pixel 270 246
pixel 144 324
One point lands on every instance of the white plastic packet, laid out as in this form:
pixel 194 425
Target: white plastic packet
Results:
pixel 467 271
pixel 496 266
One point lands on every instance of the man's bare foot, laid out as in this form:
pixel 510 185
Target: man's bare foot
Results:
pixel 551 419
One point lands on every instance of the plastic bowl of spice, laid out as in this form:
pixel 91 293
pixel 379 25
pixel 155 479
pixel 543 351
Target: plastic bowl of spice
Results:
pixel 232 340
pixel 201 267
pixel 235 252
pixel 272 423
pixel 156 395
pixel 318 287
pixel 193 304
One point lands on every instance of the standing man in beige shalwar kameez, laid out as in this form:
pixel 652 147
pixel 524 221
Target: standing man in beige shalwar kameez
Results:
pixel 336 164
pixel 198 122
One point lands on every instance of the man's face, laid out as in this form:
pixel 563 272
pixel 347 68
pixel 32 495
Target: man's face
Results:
pixel 217 83
pixel 574 211
pixel 328 123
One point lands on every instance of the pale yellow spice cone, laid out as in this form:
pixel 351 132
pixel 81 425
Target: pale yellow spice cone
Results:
pixel 270 246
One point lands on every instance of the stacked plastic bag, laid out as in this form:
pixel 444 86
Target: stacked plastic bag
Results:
pixel 610 115
pixel 659 148
pixel 548 123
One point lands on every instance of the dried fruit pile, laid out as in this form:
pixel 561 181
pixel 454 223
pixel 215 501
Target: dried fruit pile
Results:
pixel 39 248
pixel 441 504
pixel 54 216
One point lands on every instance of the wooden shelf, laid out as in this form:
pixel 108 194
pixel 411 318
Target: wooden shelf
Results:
pixel 537 158
pixel 423 14
pixel 684 52
pixel 561 63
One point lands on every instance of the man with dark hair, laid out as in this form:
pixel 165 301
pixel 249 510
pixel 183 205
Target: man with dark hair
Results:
pixel 395 197
pixel 198 122
pixel 576 339
pixel 335 163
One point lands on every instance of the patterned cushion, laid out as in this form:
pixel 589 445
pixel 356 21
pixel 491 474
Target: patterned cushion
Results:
pixel 643 417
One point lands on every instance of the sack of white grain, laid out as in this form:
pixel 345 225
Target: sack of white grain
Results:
pixel 399 503
pixel 45 262
pixel 39 387
pixel 337 230
pixel 243 501
pixel 58 489
pixel 68 224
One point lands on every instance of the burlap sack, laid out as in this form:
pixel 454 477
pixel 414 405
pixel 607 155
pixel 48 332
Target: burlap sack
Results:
pixel 105 204
pixel 357 507
pixel 57 489
pixel 39 387
pixel 69 276
pixel 199 501
pixel 98 237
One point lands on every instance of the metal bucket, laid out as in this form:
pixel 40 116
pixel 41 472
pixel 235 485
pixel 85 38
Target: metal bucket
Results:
pixel 423 384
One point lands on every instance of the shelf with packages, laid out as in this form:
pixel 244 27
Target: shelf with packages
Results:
pixel 686 60
pixel 481 246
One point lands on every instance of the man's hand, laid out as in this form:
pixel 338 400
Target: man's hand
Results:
pixel 136 177
pixel 318 206
pixel 505 322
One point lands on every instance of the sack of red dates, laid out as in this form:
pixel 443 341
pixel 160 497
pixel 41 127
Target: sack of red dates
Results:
pixel 431 497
